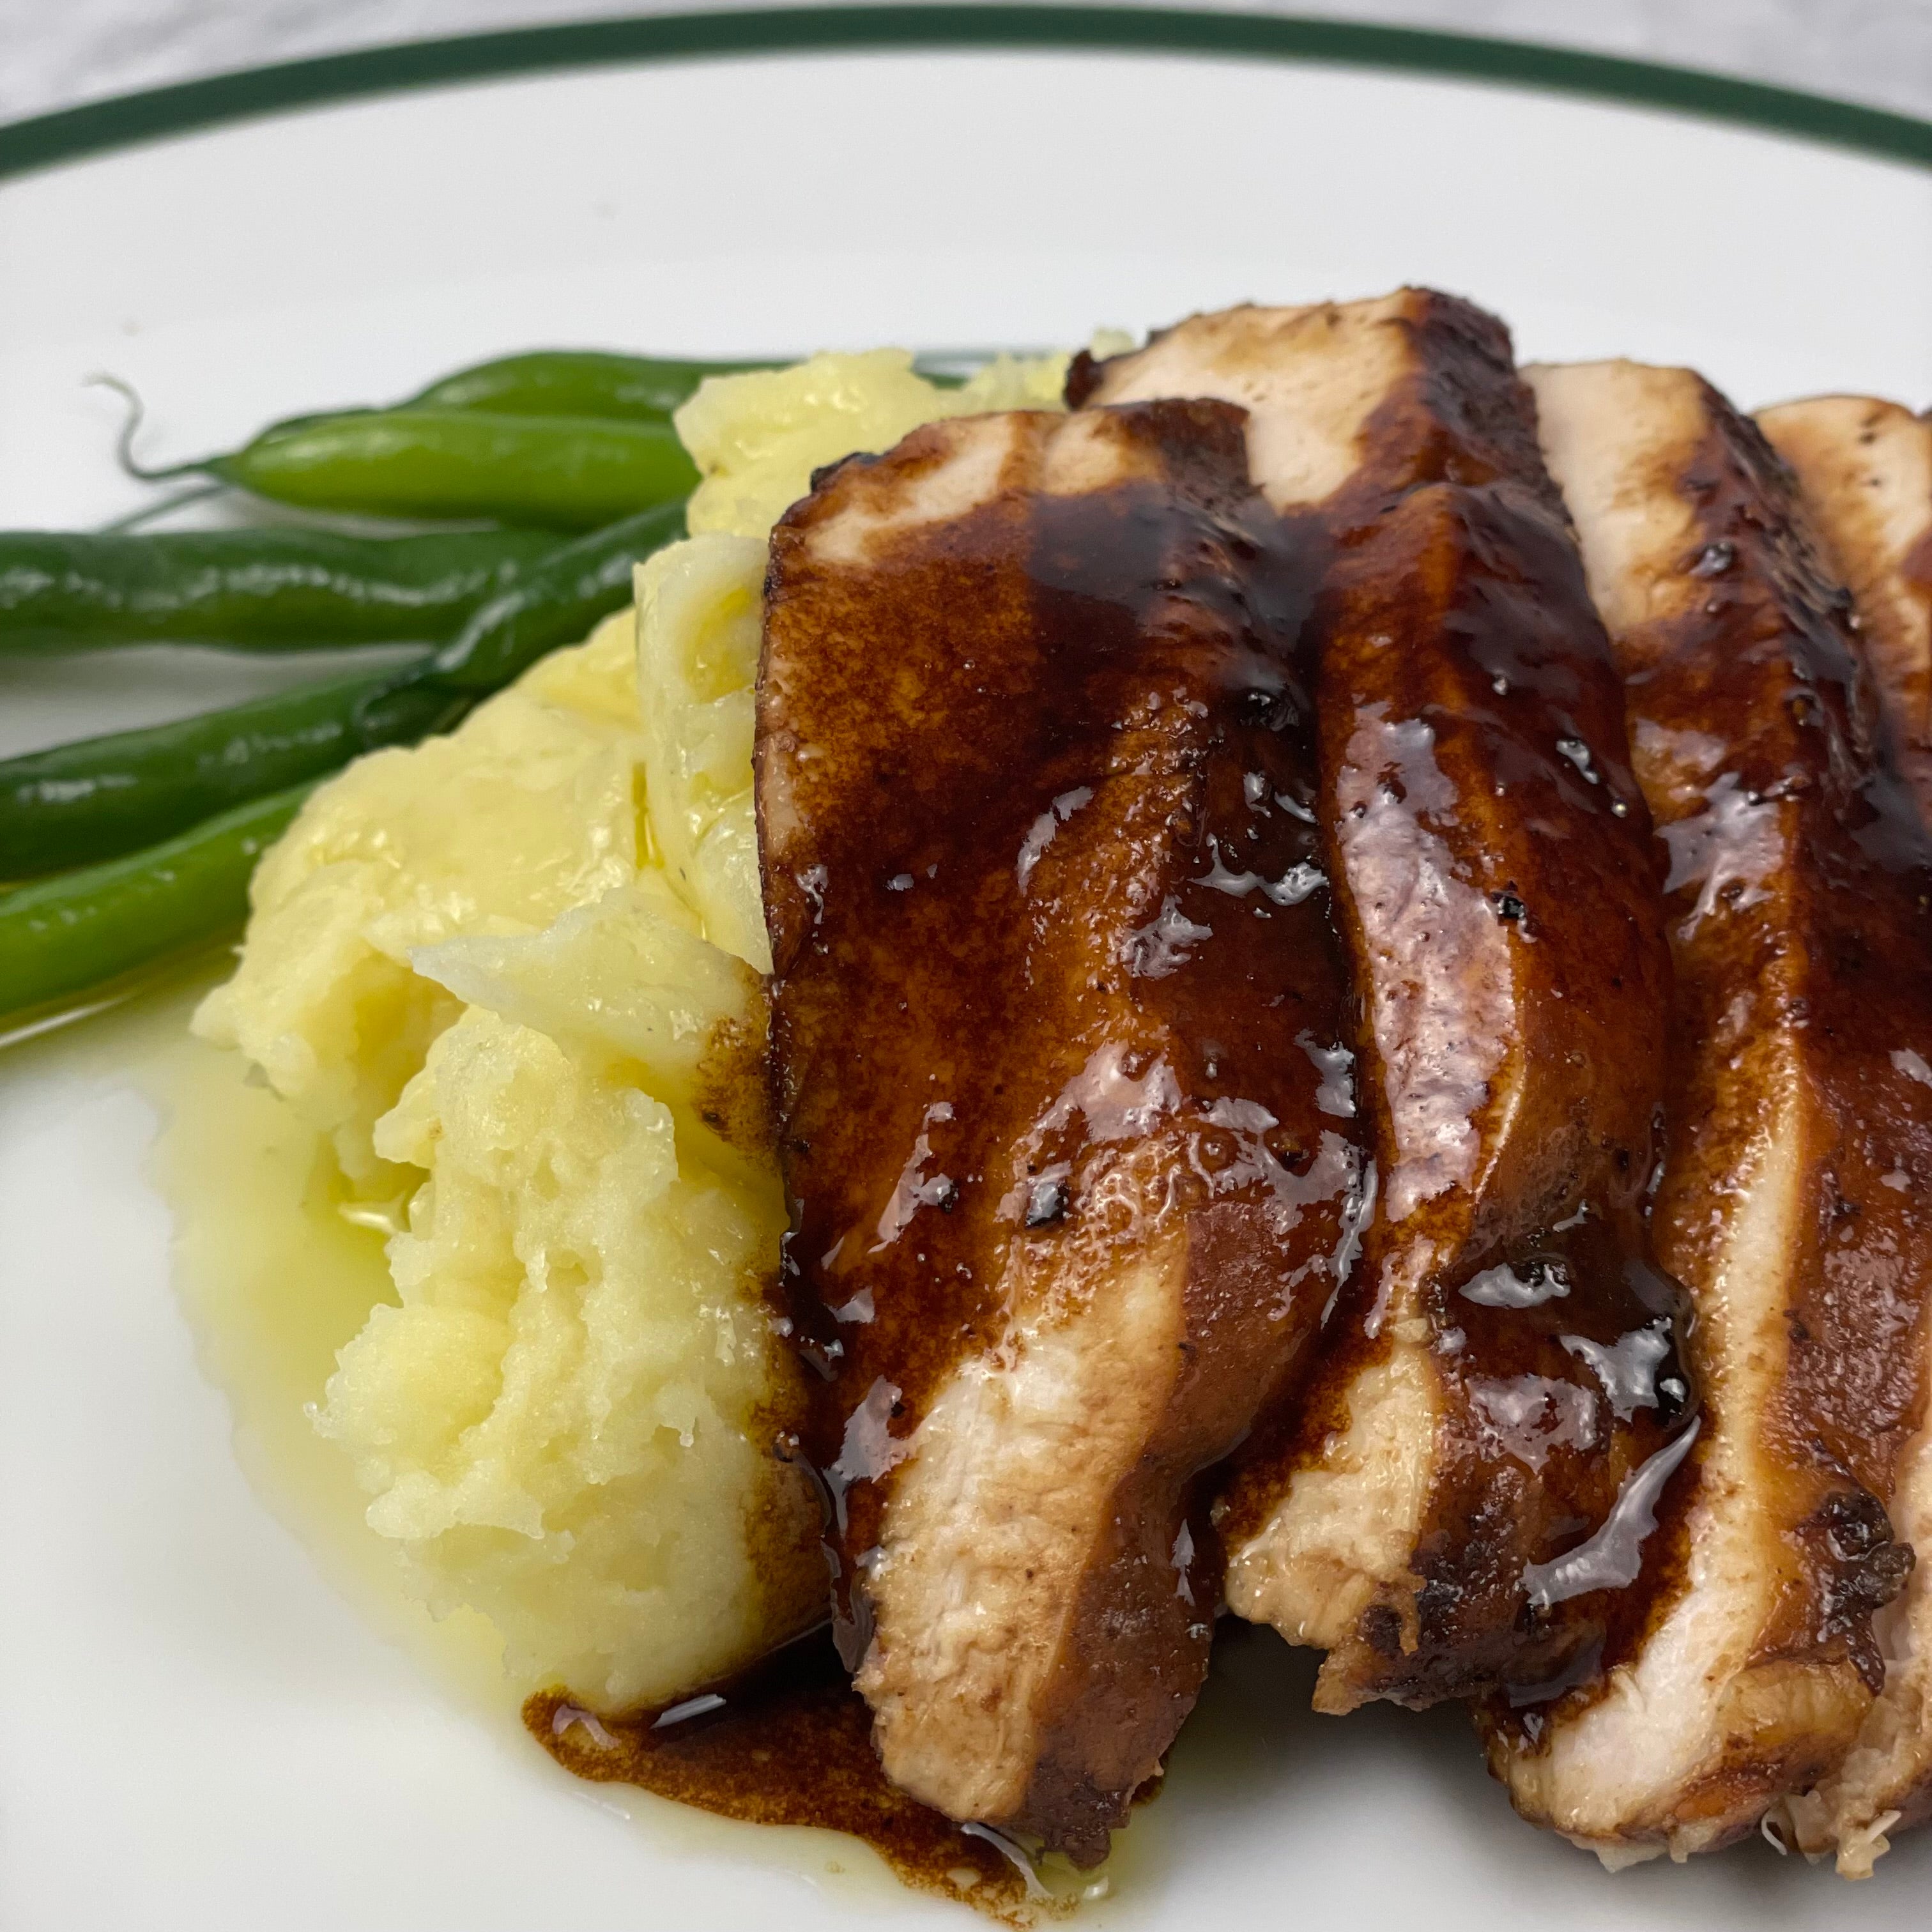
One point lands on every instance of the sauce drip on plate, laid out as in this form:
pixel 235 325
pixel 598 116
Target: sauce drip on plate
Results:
pixel 789 1742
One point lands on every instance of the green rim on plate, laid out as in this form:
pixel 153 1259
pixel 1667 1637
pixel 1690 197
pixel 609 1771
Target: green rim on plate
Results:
pixel 102 125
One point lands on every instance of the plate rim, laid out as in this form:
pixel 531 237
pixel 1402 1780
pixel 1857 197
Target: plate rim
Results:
pixel 126 121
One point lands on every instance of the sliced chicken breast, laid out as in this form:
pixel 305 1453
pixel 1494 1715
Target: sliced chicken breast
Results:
pixel 1792 1204
pixel 1464 1497
pixel 1064 1108
pixel 1864 471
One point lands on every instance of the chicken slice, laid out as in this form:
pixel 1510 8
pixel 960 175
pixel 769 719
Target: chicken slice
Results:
pixel 1057 1034
pixel 1464 1497
pixel 1864 470
pixel 1793 1202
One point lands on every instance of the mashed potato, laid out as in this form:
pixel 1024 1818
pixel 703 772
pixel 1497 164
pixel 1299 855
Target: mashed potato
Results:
pixel 528 809
pixel 513 976
pixel 757 439
pixel 557 1422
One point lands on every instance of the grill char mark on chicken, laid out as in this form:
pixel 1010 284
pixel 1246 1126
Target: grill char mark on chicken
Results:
pixel 1864 469
pixel 1055 1013
pixel 1461 1500
pixel 1800 1127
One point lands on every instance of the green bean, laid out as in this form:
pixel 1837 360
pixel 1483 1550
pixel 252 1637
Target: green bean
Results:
pixel 252 590
pixel 63 936
pixel 80 803
pixel 560 472
pixel 576 383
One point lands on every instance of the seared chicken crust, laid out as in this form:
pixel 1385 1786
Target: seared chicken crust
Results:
pixel 1792 1203
pixel 1463 1498
pixel 1056 1033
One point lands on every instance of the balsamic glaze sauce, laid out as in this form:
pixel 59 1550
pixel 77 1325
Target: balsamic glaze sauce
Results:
pixel 789 1742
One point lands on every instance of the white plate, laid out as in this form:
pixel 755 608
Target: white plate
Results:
pixel 195 1729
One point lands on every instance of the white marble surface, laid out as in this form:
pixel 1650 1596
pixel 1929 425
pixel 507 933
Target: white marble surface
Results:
pixel 55 52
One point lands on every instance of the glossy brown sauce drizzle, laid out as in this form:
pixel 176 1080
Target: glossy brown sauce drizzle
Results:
pixel 1054 979
pixel 1798 896
pixel 1566 1405
pixel 1482 824
pixel 1768 661
pixel 961 858
pixel 789 1742
pixel 1564 1399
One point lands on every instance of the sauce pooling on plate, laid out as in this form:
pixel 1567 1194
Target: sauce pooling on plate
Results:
pixel 790 1743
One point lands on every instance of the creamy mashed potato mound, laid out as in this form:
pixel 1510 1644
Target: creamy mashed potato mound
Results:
pixel 513 976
